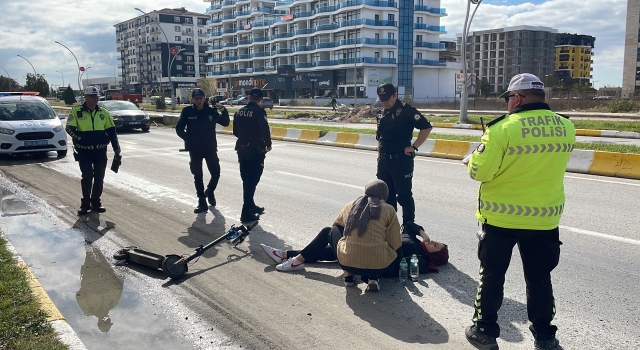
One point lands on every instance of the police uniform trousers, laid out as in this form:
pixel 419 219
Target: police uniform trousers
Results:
pixel 93 165
pixel 213 164
pixel 540 252
pixel 396 170
pixel 251 160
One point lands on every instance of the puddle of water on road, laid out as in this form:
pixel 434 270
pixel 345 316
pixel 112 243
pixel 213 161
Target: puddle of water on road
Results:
pixel 105 306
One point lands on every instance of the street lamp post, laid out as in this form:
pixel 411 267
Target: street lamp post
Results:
pixel 8 77
pixel 62 76
pixel 355 60
pixel 464 94
pixel 34 69
pixel 115 82
pixel 74 56
pixel 173 98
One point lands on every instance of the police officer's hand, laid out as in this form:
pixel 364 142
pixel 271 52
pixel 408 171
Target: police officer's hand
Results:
pixel 117 151
pixel 266 150
pixel 219 106
pixel 408 150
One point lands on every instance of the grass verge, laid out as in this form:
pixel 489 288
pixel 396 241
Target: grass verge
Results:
pixel 579 145
pixel 23 324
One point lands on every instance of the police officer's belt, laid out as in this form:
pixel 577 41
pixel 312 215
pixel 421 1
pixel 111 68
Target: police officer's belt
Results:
pixel 392 155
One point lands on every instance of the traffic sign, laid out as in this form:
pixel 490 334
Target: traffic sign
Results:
pixel 174 50
pixel 82 69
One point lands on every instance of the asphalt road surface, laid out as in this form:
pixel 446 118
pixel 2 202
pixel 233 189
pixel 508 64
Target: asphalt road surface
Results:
pixel 238 292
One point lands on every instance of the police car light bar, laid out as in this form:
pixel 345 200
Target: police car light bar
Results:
pixel 15 93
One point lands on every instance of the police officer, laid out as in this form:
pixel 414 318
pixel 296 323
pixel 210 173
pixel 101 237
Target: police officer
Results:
pixel 200 140
pixel 254 141
pixel 521 164
pixel 396 121
pixel 91 129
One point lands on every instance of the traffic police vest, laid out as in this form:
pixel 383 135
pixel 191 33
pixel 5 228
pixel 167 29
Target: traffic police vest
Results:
pixel 521 163
pixel 89 129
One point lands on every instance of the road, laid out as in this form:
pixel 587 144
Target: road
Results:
pixel 239 293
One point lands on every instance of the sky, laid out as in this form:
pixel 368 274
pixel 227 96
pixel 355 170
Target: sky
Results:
pixel 86 28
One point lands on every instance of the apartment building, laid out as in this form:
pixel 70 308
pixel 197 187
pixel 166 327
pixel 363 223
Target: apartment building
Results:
pixel 573 57
pixel 499 54
pixel 631 69
pixel 148 44
pixel 332 47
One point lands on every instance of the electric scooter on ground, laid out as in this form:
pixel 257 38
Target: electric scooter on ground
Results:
pixel 175 266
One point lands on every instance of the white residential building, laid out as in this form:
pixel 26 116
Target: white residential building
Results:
pixel 329 47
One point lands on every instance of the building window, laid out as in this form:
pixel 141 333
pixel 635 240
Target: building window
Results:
pixel 178 38
pixel 391 36
pixel 176 19
pixel 176 28
pixel 187 20
pixel 418 55
pixel 390 54
pixel 418 38
pixel 179 66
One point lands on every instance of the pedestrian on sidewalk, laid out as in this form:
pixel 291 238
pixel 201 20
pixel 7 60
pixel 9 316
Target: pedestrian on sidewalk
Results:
pixel 521 164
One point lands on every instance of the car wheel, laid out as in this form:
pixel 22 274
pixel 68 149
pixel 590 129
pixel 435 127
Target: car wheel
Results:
pixel 146 129
pixel 62 153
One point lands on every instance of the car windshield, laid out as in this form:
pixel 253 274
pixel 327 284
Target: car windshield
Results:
pixel 25 110
pixel 119 106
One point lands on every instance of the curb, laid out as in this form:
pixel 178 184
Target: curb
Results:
pixel 66 334
pixel 624 165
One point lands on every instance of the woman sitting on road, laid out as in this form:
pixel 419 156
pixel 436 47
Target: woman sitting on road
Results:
pixel 368 247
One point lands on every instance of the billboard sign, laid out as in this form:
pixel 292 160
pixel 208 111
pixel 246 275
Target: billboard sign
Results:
pixel 471 83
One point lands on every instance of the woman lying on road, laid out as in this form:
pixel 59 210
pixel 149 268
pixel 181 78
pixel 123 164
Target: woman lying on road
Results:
pixel 368 247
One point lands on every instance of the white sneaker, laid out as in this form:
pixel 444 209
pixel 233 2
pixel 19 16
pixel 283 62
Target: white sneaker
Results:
pixel 373 286
pixel 290 265
pixel 275 254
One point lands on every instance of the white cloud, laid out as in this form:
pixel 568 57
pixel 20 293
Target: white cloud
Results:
pixel 86 27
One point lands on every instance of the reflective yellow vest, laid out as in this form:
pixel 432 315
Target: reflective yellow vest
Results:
pixel 90 127
pixel 521 164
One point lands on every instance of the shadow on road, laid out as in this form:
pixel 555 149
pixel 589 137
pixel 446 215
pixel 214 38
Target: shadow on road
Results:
pixel 463 288
pixel 202 232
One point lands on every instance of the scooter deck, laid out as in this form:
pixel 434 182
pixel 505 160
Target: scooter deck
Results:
pixel 146 258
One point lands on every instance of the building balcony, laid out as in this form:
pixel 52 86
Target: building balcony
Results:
pixel 377 3
pixel 434 63
pixel 436 46
pixel 304 48
pixel 228 3
pixel 245 42
pixel 260 39
pixel 304 31
pixel 230 44
pixel 373 22
pixel 283 51
pixel 214 20
pixel 271 11
pixel 262 54
pixel 438 29
pixel 243 13
pixel 213 8
pixel 214 47
pixel 215 60
pixel 245 56
pixel 373 41
pixel 344 61
pixel 229 30
pixel 228 16
pixel 432 10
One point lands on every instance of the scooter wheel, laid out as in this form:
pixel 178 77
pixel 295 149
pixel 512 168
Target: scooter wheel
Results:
pixel 122 254
pixel 171 269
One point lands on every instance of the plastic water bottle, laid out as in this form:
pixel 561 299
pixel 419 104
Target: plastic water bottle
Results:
pixel 404 270
pixel 414 270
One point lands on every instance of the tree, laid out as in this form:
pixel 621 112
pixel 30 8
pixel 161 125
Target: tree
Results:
pixel 484 88
pixel 209 86
pixel 8 84
pixel 37 83
pixel 68 96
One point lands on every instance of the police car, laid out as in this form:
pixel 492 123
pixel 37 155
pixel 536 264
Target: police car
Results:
pixel 28 124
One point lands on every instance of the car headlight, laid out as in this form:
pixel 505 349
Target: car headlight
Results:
pixel 146 116
pixel 115 117
pixel 58 128
pixel 7 131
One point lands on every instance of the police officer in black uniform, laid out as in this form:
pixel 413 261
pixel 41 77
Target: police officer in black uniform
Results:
pixel 396 121
pixel 200 140
pixel 254 141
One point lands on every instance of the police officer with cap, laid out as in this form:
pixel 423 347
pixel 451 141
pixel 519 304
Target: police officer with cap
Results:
pixel 254 141
pixel 92 129
pixel 200 140
pixel 396 121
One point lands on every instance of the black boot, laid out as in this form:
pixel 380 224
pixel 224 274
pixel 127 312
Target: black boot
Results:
pixel 258 210
pixel 210 197
pixel 85 205
pixel 202 206
pixel 96 206
pixel 248 215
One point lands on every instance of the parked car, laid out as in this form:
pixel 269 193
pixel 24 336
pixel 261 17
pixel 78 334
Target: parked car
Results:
pixel 602 97
pixel 167 101
pixel 29 124
pixel 267 103
pixel 240 101
pixel 226 101
pixel 127 115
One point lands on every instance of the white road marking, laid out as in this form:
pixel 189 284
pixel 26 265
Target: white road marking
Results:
pixel 133 143
pixel 607 181
pixel 601 235
pixel 319 180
